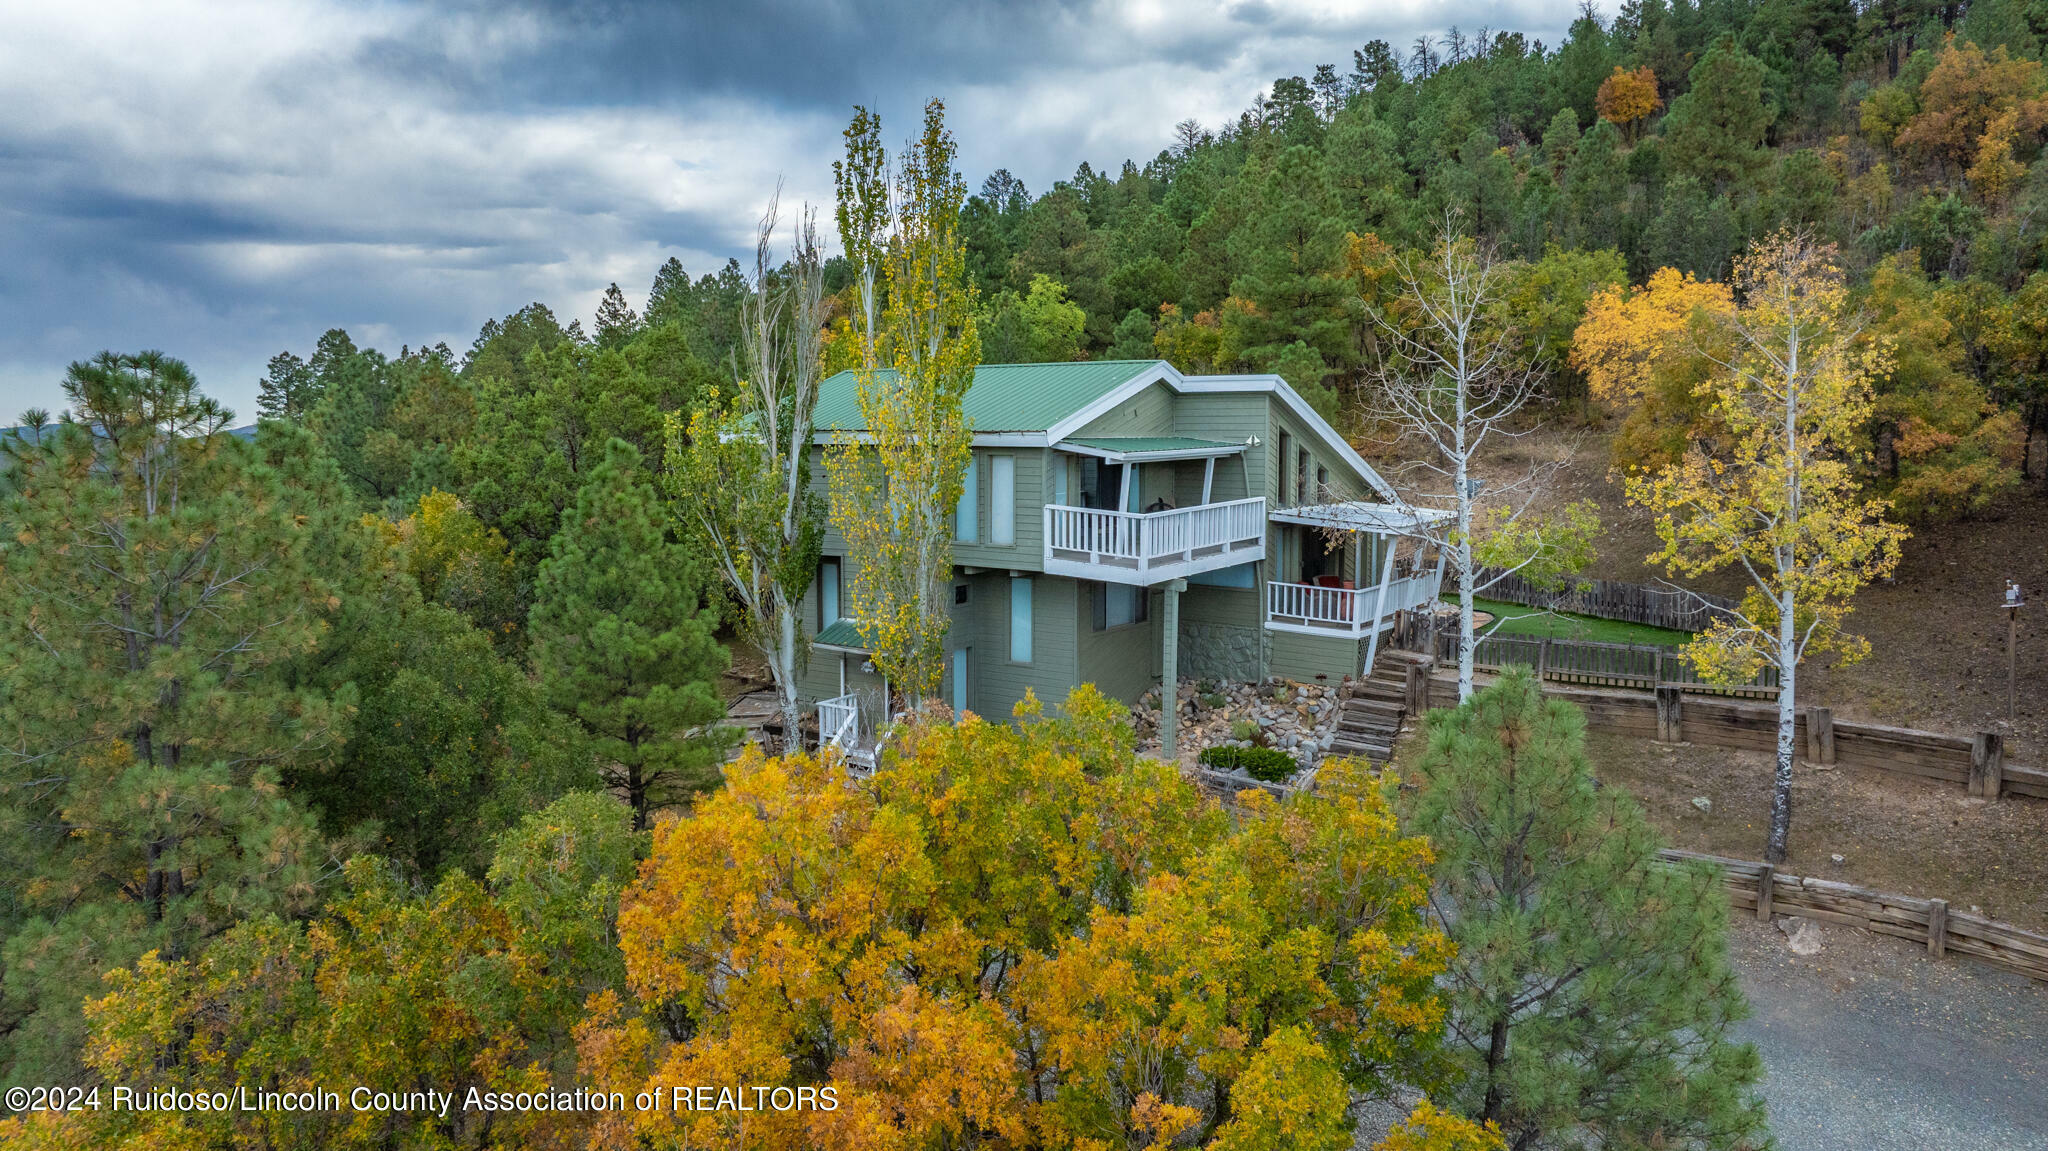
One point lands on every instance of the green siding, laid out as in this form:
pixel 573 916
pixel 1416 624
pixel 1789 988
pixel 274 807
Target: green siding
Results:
pixel 1122 662
pixel 995 683
pixel 1202 603
pixel 1303 657
pixel 1149 413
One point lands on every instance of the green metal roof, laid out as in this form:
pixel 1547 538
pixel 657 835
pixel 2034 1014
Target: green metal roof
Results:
pixel 1003 397
pixel 1136 444
pixel 841 633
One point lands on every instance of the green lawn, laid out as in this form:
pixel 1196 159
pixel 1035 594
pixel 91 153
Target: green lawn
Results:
pixel 1562 625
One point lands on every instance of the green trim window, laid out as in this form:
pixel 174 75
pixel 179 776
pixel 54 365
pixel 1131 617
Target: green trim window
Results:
pixel 967 516
pixel 1002 500
pixel 1020 619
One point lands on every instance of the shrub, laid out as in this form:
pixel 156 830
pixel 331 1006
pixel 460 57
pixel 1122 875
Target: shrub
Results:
pixel 1261 763
pixel 1215 700
pixel 1244 731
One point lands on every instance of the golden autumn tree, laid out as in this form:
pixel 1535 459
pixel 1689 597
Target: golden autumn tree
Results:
pixel 1964 100
pixel 895 487
pixel 1626 98
pixel 1775 493
pixel 470 986
pixel 1023 936
pixel 1638 349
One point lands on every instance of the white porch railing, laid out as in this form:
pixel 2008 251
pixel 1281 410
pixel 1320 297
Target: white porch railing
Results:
pixel 1344 611
pixel 841 725
pixel 838 721
pixel 1145 548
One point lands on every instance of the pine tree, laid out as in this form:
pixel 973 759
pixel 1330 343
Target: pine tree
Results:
pixel 154 583
pixel 617 323
pixel 1715 132
pixel 1132 339
pixel 1591 988
pixel 622 640
pixel 288 390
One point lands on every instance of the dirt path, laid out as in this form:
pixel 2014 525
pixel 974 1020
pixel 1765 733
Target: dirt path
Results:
pixel 1871 1046
pixel 1894 833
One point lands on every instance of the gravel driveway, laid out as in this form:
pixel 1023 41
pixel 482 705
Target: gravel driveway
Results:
pixel 1872 1046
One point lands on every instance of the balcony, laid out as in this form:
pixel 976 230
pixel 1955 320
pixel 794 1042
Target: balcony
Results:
pixel 1340 611
pixel 1148 548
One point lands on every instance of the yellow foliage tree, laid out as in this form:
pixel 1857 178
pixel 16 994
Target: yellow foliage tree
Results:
pixel 1775 493
pixel 913 327
pixel 1627 98
pixel 1022 936
pixel 1639 351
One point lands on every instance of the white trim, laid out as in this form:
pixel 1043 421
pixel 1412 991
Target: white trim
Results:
pixel 1164 455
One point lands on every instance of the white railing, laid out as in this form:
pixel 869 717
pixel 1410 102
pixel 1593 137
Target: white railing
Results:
pixel 1135 547
pixel 1344 611
pixel 839 722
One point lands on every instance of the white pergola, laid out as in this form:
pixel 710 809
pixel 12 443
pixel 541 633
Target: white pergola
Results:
pixel 1362 611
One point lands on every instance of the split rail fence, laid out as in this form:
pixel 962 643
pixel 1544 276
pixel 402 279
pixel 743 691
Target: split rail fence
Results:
pixel 1760 889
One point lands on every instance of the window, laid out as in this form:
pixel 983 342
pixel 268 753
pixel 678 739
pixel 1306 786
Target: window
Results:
pixel 828 593
pixel 959 593
pixel 960 685
pixel 1286 458
pixel 1119 605
pixel 1301 477
pixel 1002 500
pixel 1322 481
pixel 1020 619
pixel 967 517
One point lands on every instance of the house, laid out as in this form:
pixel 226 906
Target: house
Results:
pixel 1122 524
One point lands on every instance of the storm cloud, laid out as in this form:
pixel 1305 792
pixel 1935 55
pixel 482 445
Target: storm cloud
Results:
pixel 225 180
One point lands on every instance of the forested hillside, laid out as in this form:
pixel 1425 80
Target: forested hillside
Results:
pixel 1667 137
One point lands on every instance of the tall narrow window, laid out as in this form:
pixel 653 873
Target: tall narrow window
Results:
pixel 1301 477
pixel 1059 479
pixel 1286 461
pixel 1020 619
pixel 1002 499
pixel 960 679
pixel 828 593
pixel 967 517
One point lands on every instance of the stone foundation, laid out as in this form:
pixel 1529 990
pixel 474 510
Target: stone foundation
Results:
pixel 1219 651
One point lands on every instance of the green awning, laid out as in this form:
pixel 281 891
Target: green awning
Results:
pixel 844 635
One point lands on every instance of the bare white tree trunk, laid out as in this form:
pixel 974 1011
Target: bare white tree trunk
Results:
pixel 1451 384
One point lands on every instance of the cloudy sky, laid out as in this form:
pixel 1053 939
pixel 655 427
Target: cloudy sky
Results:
pixel 225 179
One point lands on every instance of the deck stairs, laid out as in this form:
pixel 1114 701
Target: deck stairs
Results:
pixel 1369 723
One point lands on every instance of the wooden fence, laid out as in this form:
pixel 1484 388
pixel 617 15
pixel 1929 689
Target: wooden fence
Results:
pixel 1671 715
pixel 1589 662
pixel 1608 599
pixel 1758 888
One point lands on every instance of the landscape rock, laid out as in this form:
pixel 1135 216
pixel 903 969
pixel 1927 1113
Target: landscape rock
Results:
pixel 1703 803
pixel 1802 935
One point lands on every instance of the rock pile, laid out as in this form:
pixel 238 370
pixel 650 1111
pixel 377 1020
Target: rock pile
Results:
pixel 1297 718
